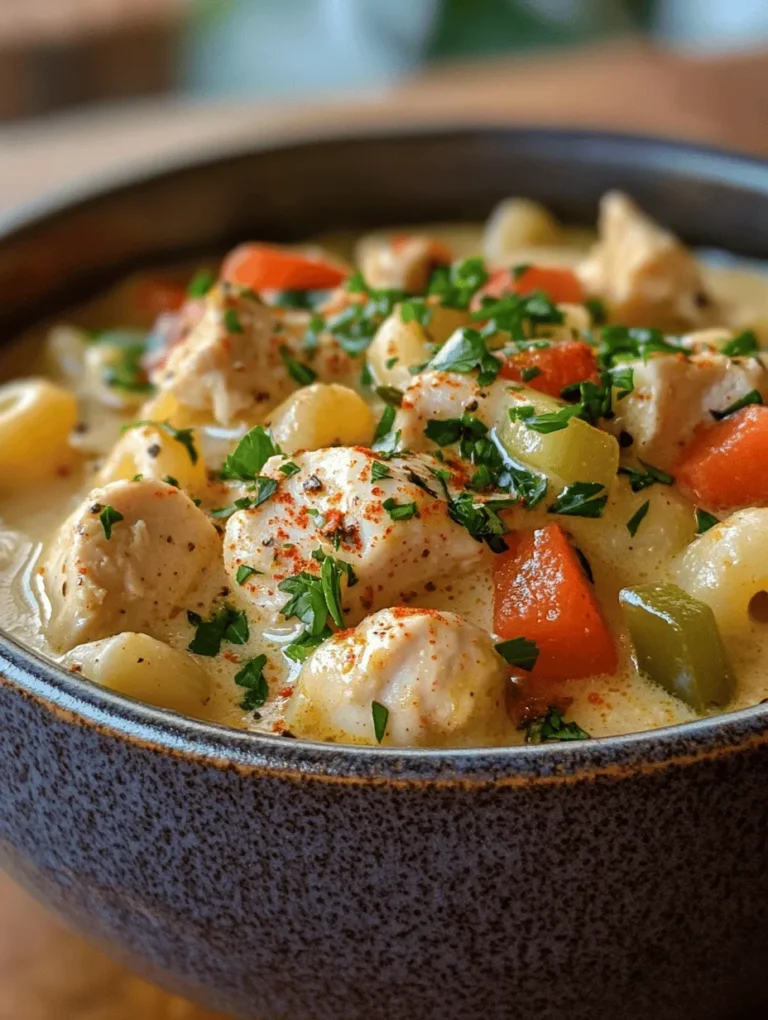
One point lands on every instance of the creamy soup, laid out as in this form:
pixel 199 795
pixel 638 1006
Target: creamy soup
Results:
pixel 459 486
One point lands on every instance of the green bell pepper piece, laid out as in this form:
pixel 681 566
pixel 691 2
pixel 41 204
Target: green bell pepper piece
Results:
pixel 678 645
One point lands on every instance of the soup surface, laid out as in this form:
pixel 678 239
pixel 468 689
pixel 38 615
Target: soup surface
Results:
pixel 462 486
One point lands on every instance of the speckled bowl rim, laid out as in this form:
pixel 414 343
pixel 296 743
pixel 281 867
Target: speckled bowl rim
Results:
pixel 85 703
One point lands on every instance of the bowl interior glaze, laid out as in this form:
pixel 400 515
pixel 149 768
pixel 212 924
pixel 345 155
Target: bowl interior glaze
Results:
pixel 65 249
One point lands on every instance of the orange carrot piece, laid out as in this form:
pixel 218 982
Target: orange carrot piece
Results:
pixel 558 283
pixel 541 593
pixel 560 365
pixel 723 467
pixel 265 267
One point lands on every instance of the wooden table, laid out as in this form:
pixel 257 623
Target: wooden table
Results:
pixel 46 973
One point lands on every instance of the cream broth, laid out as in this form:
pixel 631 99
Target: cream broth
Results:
pixel 624 702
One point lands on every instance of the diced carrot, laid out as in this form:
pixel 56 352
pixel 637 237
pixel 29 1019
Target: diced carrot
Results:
pixel 723 467
pixel 265 267
pixel 559 365
pixel 542 593
pixel 155 295
pixel 438 252
pixel 558 283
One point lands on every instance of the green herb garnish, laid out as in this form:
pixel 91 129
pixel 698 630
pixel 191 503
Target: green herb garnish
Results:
pixel 705 521
pixel 297 370
pixel 200 283
pixel 519 652
pixel 581 499
pixel 379 471
pixel 466 351
pixel 744 343
pixel 400 511
pixel 108 517
pixel 232 321
pixel 753 397
pixel 251 676
pixel 227 624
pixel 552 727
pixel 651 475
pixel 250 455
pixel 244 572
pixel 636 519
pixel 380 715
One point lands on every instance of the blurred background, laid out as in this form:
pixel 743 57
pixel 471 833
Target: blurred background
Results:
pixel 65 53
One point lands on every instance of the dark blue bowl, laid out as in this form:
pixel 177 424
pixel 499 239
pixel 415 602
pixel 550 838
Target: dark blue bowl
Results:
pixel 620 878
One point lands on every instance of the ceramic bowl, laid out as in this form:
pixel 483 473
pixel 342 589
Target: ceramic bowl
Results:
pixel 612 879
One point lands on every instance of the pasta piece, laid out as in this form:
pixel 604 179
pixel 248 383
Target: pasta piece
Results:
pixel 517 223
pixel 145 669
pixel 36 418
pixel 151 451
pixel 324 414
pixel 727 567
pixel 396 346
pixel 437 682
pixel 124 560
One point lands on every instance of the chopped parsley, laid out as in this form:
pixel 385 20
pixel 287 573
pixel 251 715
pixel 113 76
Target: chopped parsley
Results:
pixel 530 373
pixel 386 422
pixel 232 321
pixel 366 378
pixel 580 499
pixel 304 299
pixel 391 395
pixel 519 652
pixel 457 284
pixel 744 343
pixel 481 518
pixel 623 343
pixel 650 475
pixel 466 351
pixel 170 480
pixel 380 471
pixel 126 371
pixel 355 326
pixel 289 468
pixel 391 362
pixel 305 644
pixel 637 518
pixel 251 676
pixel 200 283
pixel 380 715
pixel 400 511
pixel 264 487
pixel 415 310
pixel 753 397
pixel 705 521
pixel 226 624
pixel 244 572
pixel 548 421
pixel 250 455
pixel 109 516
pixel 297 370
pixel 520 316
pixel 316 599
pixel 552 727
pixel 597 310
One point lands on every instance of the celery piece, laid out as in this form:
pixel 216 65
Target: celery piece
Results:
pixel 574 452
pixel 678 645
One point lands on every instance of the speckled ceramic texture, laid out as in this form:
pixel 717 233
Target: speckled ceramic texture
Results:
pixel 607 880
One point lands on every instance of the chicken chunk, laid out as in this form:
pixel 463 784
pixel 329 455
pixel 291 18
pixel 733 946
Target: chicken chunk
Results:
pixel 403 262
pixel 124 560
pixel 643 272
pixel 438 677
pixel 240 358
pixel 395 531
pixel 673 395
